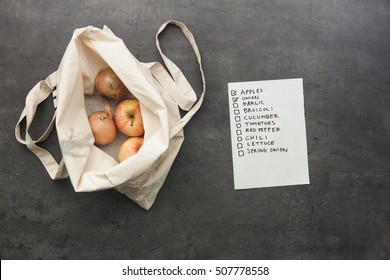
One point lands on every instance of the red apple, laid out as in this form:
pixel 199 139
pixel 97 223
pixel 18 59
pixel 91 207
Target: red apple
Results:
pixel 108 84
pixel 128 118
pixel 130 147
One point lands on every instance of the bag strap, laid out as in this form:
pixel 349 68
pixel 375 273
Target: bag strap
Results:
pixel 179 88
pixel 37 95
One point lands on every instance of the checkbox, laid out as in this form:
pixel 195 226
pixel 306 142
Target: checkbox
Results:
pixel 238 125
pixel 239 139
pixel 238 118
pixel 233 92
pixel 238 132
pixel 236 111
pixel 235 99
pixel 240 153
pixel 235 105
pixel 239 146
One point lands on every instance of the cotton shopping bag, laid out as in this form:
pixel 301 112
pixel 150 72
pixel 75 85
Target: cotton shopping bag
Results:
pixel 161 94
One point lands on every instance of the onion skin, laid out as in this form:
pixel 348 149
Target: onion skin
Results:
pixel 108 84
pixel 103 126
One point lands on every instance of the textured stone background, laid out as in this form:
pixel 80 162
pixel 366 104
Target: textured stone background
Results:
pixel 340 49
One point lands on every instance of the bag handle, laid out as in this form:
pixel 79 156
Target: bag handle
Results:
pixel 37 95
pixel 181 91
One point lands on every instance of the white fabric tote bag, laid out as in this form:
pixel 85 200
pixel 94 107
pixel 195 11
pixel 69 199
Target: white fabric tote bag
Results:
pixel 92 168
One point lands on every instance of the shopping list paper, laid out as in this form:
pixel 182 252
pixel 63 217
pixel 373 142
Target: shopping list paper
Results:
pixel 268 133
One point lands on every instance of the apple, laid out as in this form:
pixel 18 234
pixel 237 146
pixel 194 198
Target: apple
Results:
pixel 130 147
pixel 108 84
pixel 128 117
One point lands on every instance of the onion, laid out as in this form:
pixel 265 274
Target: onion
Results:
pixel 103 126
pixel 108 84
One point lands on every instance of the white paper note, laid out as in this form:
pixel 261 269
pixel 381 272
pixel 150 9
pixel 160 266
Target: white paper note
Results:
pixel 268 133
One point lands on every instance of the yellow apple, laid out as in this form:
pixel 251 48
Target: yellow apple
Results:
pixel 130 147
pixel 128 118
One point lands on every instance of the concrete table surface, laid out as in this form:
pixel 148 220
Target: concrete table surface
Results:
pixel 339 48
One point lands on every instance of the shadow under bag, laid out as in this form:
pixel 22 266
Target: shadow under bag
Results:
pixel 160 94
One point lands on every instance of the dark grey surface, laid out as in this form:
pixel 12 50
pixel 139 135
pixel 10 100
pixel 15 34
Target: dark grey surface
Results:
pixel 341 50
